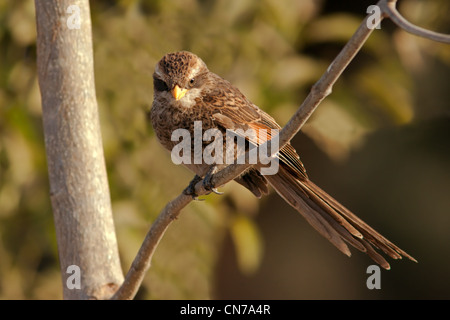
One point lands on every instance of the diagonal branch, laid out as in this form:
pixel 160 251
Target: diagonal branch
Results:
pixel 319 91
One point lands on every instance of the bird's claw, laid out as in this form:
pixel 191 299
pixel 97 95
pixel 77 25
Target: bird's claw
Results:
pixel 207 181
pixel 207 184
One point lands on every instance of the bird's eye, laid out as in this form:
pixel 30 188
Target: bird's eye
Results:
pixel 160 85
pixel 192 81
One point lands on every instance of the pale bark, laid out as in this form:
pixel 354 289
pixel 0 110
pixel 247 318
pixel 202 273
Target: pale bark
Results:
pixel 79 189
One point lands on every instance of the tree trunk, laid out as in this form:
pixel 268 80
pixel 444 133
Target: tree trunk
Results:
pixel 79 189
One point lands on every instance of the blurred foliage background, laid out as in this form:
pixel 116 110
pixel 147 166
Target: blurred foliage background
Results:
pixel 379 144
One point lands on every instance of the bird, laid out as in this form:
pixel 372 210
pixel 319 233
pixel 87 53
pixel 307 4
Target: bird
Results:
pixel 186 91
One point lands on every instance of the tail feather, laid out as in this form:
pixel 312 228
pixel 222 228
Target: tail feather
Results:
pixel 367 231
pixel 331 219
pixel 298 199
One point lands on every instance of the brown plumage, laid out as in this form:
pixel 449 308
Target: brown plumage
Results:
pixel 186 91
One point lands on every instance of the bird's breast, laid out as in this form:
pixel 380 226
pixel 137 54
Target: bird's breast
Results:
pixel 167 117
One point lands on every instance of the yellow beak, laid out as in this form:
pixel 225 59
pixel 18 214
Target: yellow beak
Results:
pixel 178 93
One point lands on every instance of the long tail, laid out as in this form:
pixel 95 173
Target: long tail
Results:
pixel 333 220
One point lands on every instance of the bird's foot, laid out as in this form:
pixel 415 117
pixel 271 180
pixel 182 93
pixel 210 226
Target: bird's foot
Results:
pixel 190 190
pixel 207 181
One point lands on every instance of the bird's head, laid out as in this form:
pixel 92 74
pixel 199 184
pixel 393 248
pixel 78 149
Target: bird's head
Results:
pixel 180 76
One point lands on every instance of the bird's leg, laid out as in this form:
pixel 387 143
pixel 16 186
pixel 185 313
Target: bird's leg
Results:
pixel 207 181
pixel 190 190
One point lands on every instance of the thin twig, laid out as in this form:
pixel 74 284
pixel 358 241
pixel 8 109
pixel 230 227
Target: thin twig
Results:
pixel 389 9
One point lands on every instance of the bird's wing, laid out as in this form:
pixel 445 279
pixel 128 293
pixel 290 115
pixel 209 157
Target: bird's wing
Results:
pixel 244 115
